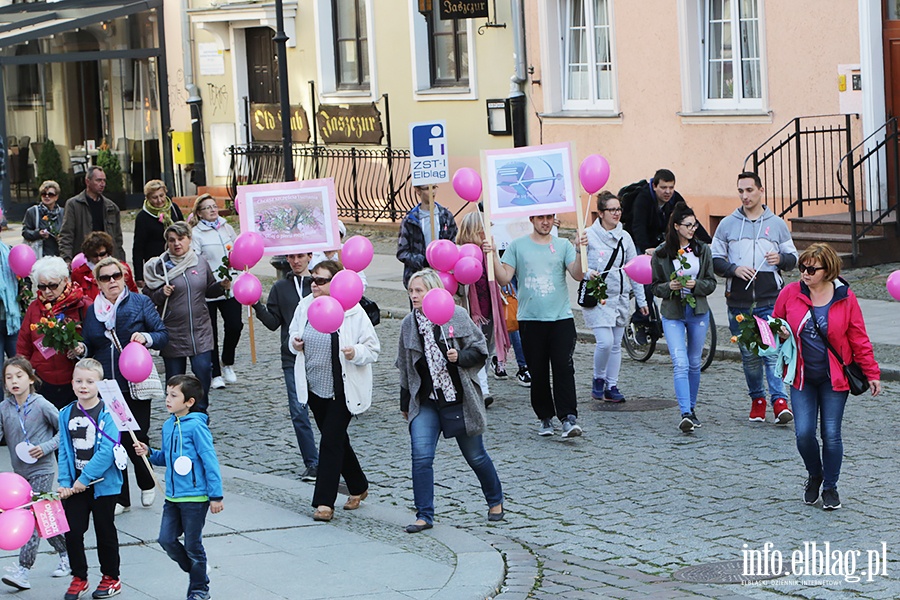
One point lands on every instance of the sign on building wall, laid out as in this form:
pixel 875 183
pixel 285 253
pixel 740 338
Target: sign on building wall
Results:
pixel 210 59
pixel 428 153
pixel 349 124
pixel 462 9
pixel 265 123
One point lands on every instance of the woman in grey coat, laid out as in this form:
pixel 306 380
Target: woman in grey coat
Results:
pixel 439 367
pixel 179 282
pixel 609 244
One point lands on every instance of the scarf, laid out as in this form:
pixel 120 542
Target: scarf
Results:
pixel 437 364
pixel 163 214
pixel 9 291
pixel 70 297
pixel 167 267
pixel 105 311
pixel 213 224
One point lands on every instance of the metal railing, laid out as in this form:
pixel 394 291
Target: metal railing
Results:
pixel 370 183
pixel 797 164
pixel 869 176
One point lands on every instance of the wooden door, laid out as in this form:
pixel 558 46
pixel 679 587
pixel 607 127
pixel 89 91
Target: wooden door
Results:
pixel 262 66
pixel 891 38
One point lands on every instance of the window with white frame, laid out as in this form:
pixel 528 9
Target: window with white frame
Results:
pixel 448 50
pixel 351 43
pixel 731 55
pixel 588 68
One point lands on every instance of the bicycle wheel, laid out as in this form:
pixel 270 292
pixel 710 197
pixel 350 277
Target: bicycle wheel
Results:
pixel 709 345
pixel 640 338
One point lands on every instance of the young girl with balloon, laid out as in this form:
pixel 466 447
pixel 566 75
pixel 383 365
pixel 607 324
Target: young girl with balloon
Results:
pixel 30 425
pixel 441 352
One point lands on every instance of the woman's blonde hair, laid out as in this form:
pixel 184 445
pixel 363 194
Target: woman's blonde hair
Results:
pixel 195 211
pixel 49 184
pixel 429 277
pixel 153 186
pixel 470 229
pixel 105 262
pixel 824 254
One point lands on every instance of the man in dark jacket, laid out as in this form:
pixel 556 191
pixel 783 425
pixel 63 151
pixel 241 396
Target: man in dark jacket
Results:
pixel 651 211
pixel 278 311
pixel 90 211
pixel 415 231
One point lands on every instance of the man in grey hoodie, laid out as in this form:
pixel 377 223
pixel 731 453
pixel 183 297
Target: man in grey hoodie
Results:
pixel 750 248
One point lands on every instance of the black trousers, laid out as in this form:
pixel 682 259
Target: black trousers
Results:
pixel 232 318
pixel 551 345
pixel 79 510
pixel 336 456
pixel 59 396
pixel 141 411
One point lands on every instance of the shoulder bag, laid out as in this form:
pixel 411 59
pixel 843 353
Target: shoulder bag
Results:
pixel 854 373
pixel 149 389
pixel 508 293
pixel 585 300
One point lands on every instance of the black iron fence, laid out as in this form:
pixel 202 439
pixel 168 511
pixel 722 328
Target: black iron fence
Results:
pixel 370 183
pixel 798 163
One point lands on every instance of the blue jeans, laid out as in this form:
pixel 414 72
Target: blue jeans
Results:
pixel 306 439
pixel 755 366
pixel 424 432
pixel 187 518
pixel 819 400
pixel 516 341
pixel 685 339
pixel 7 342
pixel 201 365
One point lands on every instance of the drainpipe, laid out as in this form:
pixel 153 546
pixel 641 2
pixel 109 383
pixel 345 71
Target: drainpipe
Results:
pixel 519 78
pixel 195 102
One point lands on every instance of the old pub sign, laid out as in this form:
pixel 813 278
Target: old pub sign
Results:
pixel 265 123
pixel 456 9
pixel 349 124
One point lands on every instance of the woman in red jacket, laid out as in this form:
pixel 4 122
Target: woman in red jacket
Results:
pixel 822 304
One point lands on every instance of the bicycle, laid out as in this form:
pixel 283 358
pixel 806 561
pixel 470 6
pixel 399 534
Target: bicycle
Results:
pixel 642 333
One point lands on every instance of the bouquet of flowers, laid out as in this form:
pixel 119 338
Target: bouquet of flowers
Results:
pixel 50 226
pixel 25 295
pixel 686 296
pixel 596 288
pixel 59 333
pixel 754 339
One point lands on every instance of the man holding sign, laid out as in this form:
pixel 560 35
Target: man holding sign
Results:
pixel 417 230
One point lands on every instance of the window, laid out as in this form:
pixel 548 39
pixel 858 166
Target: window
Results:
pixel 448 51
pixel 29 85
pixel 732 57
pixel 587 55
pixel 351 45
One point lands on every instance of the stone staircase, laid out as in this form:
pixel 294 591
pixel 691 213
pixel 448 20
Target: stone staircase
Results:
pixel 881 245
pixel 220 193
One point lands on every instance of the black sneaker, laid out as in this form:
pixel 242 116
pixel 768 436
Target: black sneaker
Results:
pixel 310 473
pixel 498 368
pixel 830 499
pixel 488 400
pixel 811 494
pixel 686 425
pixel 695 420
pixel 523 377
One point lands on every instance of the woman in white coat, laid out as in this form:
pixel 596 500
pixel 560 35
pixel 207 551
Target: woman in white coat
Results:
pixel 609 248
pixel 333 373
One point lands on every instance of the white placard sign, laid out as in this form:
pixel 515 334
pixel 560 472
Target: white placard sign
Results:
pixel 115 403
pixel 428 153
pixel 210 59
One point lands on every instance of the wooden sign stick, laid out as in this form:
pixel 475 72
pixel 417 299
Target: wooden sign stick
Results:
pixel 582 251
pixel 431 211
pixel 149 466
pixel 252 336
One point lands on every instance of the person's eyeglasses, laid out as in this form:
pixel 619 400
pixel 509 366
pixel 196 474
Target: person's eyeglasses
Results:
pixel 693 225
pixel 321 280
pixel 208 207
pixel 612 210
pixel 107 278
pixel 809 269
pixel 49 194
pixel 49 286
pixel 101 254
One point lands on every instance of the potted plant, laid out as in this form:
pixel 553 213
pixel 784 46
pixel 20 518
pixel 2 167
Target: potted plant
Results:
pixel 115 185
pixel 49 166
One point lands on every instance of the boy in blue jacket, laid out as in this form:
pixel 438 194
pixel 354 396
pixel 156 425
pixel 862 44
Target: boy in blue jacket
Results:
pixel 87 459
pixel 193 481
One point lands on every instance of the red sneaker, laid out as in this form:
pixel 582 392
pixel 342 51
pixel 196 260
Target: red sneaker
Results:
pixel 783 414
pixel 76 589
pixel 758 410
pixel 108 587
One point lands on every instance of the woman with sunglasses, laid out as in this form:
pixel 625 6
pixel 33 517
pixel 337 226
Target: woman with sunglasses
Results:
pixel 212 239
pixel 824 317
pixel 95 247
pixel 128 317
pixel 609 244
pixel 333 374
pixel 42 222
pixel 57 296
pixel 683 276
pixel 157 213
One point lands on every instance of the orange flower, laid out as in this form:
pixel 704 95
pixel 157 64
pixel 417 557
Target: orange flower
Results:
pixel 51 324
pixel 33 326
pixel 228 247
pixel 43 319
pixel 734 339
pixel 603 302
pixel 739 318
pixel 45 218
pixel 680 251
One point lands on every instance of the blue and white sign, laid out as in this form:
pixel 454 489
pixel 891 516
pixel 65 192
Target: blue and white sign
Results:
pixel 428 153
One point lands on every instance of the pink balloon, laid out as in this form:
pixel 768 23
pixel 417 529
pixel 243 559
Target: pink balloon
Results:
pixel 357 254
pixel 78 260
pixel 467 184
pixel 639 269
pixel 247 289
pixel 135 362
pixel 16 528
pixel 467 270
pixel 325 314
pixel 893 285
pixel 21 259
pixel 473 250
pixel 449 281
pixel 593 173
pixel 247 250
pixel 438 306
pixel 14 491
pixel 444 255
pixel 346 288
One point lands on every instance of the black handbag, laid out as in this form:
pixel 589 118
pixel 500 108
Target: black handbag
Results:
pixel 585 300
pixel 854 373
pixel 372 310
pixel 452 422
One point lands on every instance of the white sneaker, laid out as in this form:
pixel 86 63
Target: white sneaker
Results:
pixel 228 374
pixel 217 383
pixel 63 569
pixel 121 509
pixel 17 577
pixel 147 497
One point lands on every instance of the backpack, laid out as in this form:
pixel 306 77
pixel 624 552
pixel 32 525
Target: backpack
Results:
pixel 626 198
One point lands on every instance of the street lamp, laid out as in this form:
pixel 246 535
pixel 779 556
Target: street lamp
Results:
pixel 281 39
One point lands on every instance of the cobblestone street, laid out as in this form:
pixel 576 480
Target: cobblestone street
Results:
pixel 614 513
